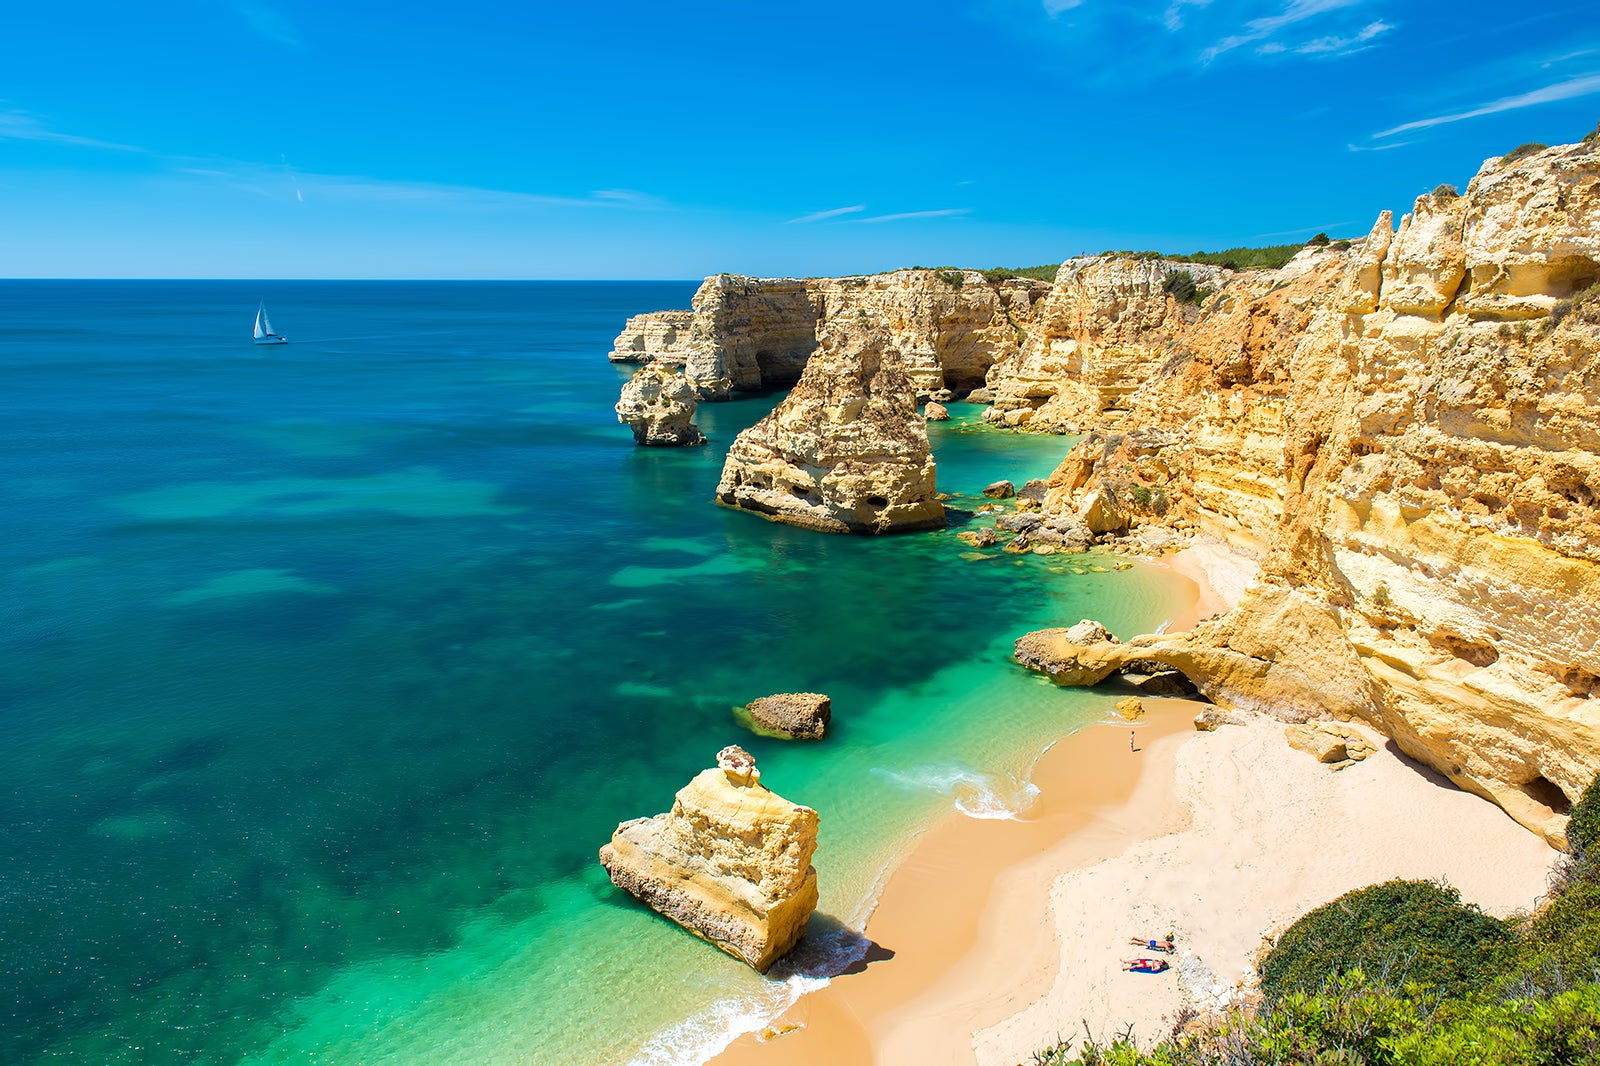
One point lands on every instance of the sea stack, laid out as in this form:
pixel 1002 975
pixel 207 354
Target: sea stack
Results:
pixel 659 404
pixel 731 862
pixel 846 451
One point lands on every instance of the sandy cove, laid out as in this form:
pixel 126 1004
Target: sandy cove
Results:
pixel 1006 935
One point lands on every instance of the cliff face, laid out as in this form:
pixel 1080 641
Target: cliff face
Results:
pixel 1408 432
pixel 846 451
pixel 757 333
pixel 730 862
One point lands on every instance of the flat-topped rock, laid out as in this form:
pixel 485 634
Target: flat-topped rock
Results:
pixel 792 715
pixel 730 862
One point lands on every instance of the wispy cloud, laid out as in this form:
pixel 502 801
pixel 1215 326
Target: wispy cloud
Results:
pixel 1321 227
pixel 1379 147
pixel 630 197
pixel 22 126
pixel 1262 31
pixel 269 23
pixel 1343 45
pixel 947 212
pixel 1572 88
pixel 818 216
pixel 1056 7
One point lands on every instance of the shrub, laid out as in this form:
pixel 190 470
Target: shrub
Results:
pixel 1446 192
pixel 1047 272
pixel 1413 930
pixel 1321 240
pixel 1584 307
pixel 1340 246
pixel 1522 151
pixel 1594 137
pixel 1380 595
pixel 1181 287
pixel 950 276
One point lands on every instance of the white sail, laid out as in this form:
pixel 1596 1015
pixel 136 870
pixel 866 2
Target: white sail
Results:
pixel 264 331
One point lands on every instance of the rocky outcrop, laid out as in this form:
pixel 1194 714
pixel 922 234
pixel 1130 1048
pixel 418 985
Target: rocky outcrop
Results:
pixel 747 334
pixel 659 404
pixel 1404 430
pixel 846 451
pixel 655 337
pixel 1106 326
pixel 791 715
pixel 730 862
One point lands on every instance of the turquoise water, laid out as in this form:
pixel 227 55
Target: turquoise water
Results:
pixel 325 669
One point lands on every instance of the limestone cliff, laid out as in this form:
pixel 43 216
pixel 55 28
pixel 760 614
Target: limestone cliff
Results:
pixel 1407 431
pixel 846 450
pixel 747 334
pixel 730 862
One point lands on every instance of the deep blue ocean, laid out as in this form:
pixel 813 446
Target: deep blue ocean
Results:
pixel 325 669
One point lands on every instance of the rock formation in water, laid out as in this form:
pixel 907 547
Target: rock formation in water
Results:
pixel 1406 431
pixel 749 334
pixel 730 862
pixel 659 404
pixel 846 451
pixel 791 715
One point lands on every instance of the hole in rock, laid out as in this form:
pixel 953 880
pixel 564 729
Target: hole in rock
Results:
pixel 1547 794
pixel 877 503
pixel 1478 653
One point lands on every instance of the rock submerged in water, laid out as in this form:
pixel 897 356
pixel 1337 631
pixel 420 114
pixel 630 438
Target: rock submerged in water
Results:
pixel 730 862
pixel 791 715
pixel 658 403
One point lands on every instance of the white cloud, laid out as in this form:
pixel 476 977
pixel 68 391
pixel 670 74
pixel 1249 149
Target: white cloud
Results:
pixel 22 126
pixel 947 212
pixel 818 216
pixel 1261 29
pixel 1564 90
pixel 1344 45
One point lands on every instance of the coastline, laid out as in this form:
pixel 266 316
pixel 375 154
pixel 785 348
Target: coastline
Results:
pixel 1222 838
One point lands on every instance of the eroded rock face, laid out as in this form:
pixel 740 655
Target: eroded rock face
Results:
pixel 1407 437
pixel 659 404
pixel 846 451
pixel 757 333
pixel 730 862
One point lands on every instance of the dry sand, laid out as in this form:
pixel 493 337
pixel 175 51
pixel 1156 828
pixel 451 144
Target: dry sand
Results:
pixel 1006 935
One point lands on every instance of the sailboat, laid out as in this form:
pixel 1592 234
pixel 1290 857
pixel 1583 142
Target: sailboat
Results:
pixel 264 333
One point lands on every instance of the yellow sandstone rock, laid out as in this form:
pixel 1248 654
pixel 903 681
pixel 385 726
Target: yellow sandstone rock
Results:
pixel 730 862
pixel 1131 708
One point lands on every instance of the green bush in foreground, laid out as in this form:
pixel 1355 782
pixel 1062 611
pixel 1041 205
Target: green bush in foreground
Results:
pixel 1405 930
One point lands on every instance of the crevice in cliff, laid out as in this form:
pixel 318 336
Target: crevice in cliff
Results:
pixel 1546 794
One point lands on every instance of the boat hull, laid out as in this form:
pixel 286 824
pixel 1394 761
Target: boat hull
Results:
pixel 272 340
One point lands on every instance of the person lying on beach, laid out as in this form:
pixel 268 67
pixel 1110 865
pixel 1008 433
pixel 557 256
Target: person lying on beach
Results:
pixel 1153 945
pixel 1144 965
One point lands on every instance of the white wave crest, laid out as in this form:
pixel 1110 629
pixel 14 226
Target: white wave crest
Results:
pixel 820 956
pixel 999 796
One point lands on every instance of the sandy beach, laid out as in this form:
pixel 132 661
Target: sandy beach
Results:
pixel 996 938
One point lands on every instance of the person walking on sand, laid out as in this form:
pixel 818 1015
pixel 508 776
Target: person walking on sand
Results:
pixel 1131 735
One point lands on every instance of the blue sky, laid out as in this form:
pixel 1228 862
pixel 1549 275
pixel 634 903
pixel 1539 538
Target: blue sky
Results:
pixel 279 138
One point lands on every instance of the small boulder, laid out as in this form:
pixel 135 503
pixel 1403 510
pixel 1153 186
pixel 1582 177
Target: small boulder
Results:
pixel 1035 490
pixel 978 538
pixel 1131 708
pixel 1000 490
pixel 1326 746
pixel 1100 513
pixel 935 412
pixel 1088 631
pixel 790 715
